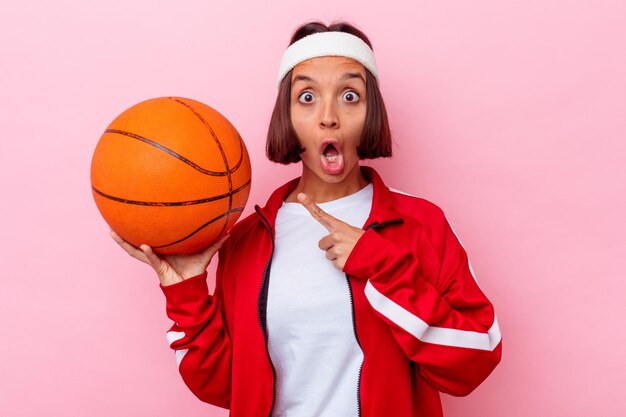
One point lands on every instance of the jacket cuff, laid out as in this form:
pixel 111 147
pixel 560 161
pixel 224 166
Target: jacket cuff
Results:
pixel 370 254
pixel 183 298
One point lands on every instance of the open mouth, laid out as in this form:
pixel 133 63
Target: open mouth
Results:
pixel 331 153
pixel 331 156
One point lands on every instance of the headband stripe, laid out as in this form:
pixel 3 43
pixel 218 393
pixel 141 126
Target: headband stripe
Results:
pixel 327 44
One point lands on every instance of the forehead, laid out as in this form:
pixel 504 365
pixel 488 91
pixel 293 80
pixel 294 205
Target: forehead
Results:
pixel 328 66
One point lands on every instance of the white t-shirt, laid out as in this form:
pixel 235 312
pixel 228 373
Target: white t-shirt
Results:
pixel 311 337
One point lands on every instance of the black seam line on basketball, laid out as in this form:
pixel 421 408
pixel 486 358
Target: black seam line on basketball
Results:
pixel 238 164
pixel 219 145
pixel 208 126
pixel 168 204
pixel 236 209
pixel 204 122
pixel 168 151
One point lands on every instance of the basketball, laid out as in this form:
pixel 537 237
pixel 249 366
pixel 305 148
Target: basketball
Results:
pixel 172 173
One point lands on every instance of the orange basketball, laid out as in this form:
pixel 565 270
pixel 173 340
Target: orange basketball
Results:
pixel 172 173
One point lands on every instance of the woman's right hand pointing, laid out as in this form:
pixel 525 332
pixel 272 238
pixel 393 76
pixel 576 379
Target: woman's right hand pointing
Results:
pixel 172 268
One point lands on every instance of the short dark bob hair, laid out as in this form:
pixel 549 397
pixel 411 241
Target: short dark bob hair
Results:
pixel 283 145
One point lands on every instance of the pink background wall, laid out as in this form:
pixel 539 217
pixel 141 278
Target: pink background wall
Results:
pixel 511 116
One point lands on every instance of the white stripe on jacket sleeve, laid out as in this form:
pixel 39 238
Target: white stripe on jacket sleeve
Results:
pixel 431 334
pixel 173 337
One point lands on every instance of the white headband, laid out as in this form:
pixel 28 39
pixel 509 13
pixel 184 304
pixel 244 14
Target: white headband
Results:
pixel 327 44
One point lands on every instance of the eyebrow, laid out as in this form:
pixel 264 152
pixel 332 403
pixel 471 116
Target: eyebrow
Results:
pixel 302 78
pixel 351 75
pixel 346 76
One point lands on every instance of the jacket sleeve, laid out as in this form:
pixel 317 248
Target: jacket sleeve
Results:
pixel 429 297
pixel 200 339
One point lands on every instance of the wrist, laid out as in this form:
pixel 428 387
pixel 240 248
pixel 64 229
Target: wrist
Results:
pixel 165 281
pixel 185 282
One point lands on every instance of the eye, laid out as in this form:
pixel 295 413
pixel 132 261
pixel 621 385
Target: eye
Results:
pixel 305 97
pixel 351 96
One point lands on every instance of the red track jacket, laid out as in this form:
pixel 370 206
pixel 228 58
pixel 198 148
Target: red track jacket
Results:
pixel 420 318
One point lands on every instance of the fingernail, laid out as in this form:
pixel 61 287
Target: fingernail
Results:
pixel 301 196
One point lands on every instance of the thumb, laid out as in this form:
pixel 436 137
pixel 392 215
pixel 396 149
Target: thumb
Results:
pixel 155 261
pixel 212 249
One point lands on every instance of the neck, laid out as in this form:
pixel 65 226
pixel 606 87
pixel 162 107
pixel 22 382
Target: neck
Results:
pixel 321 191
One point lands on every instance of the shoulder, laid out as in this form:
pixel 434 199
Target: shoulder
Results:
pixel 241 236
pixel 418 208
pixel 425 215
pixel 244 226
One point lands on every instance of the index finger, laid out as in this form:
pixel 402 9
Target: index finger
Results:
pixel 328 221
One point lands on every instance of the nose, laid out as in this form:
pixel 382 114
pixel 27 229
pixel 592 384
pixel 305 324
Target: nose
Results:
pixel 328 115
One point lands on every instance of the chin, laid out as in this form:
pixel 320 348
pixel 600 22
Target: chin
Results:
pixel 333 178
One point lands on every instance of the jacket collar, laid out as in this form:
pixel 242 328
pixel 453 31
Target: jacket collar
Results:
pixel 382 212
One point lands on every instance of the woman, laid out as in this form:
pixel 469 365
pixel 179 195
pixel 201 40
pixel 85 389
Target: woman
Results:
pixel 339 297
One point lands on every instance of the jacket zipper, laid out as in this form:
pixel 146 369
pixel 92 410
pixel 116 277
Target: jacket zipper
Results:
pixel 262 306
pixel 374 225
pixel 358 384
